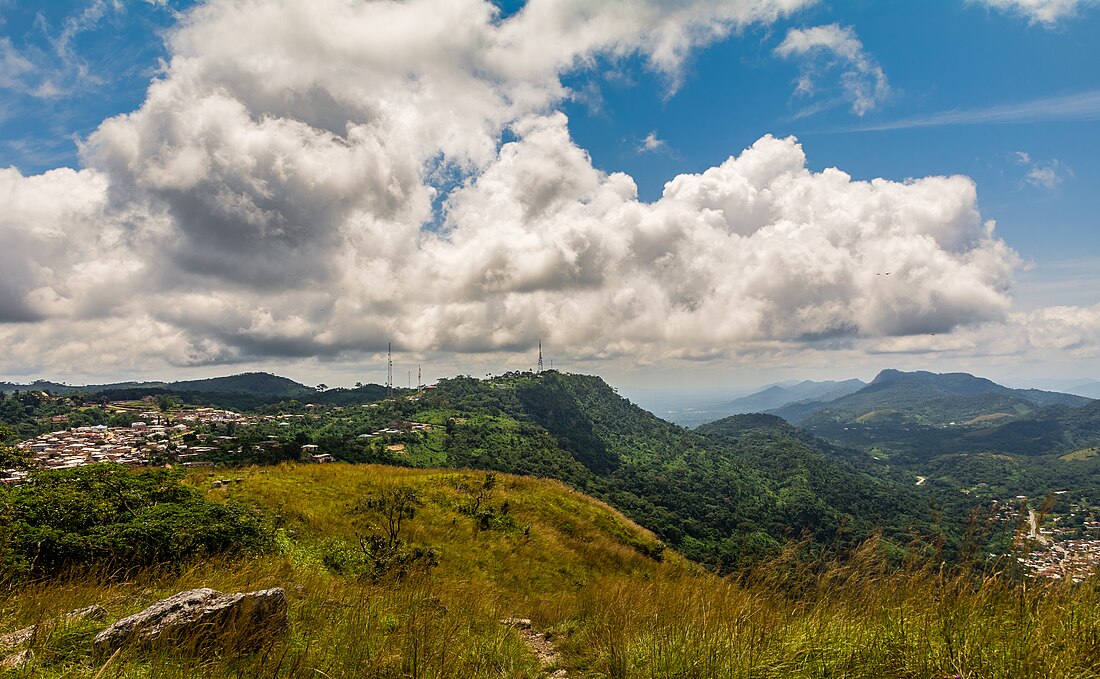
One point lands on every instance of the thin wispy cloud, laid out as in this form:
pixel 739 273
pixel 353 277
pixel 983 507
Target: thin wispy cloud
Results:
pixel 1080 107
pixel 1047 175
pixel 823 48
pixel 651 143
pixel 1046 12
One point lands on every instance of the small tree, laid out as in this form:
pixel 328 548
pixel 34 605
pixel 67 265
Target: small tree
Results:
pixel 392 505
pixel 381 550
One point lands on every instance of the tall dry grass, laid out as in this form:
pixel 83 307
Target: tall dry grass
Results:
pixel 582 573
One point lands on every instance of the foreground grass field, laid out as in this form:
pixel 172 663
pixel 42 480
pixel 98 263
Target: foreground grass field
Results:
pixel 613 602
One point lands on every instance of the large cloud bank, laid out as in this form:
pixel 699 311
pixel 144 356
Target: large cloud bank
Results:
pixel 283 191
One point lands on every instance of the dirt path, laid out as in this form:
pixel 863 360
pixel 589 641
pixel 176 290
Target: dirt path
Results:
pixel 539 644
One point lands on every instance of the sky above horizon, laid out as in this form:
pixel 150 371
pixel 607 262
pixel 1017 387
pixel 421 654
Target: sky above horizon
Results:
pixel 705 193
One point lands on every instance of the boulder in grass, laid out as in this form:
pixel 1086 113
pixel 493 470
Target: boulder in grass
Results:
pixel 201 618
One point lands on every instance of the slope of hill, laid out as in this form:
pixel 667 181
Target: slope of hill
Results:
pixel 925 398
pixel 722 500
pixel 601 596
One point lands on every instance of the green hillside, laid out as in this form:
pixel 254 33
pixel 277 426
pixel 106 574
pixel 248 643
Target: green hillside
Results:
pixel 718 498
pixel 600 592
pixel 988 444
pixel 721 500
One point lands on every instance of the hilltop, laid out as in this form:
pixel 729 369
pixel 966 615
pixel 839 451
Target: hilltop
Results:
pixel 245 391
pixel 256 384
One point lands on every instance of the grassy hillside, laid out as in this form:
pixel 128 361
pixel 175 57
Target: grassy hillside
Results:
pixel 613 604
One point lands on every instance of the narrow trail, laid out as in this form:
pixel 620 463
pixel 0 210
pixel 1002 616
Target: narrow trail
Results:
pixel 539 644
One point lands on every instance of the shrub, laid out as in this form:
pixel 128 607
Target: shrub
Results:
pixel 110 513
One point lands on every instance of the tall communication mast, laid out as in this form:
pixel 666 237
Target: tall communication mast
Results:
pixel 540 356
pixel 389 370
pixel 419 380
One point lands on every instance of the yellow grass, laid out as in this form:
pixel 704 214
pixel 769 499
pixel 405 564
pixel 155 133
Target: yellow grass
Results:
pixel 579 570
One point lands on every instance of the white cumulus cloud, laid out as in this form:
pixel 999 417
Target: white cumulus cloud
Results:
pixel 279 195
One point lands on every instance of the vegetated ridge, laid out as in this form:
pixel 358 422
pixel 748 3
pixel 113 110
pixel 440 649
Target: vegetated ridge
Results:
pixel 726 496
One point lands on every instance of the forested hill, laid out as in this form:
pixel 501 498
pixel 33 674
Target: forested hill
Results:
pixel 726 498
pixel 255 384
pixel 245 391
pixel 925 398
pixel 259 384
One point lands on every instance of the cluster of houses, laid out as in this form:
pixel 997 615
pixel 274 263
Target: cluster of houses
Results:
pixel 1073 559
pixel 1063 546
pixel 396 427
pixel 135 445
pixel 156 438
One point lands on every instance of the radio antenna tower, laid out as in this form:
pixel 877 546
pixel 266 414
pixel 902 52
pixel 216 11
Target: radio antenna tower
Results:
pixel 540 356
pixel 389 370
pixel 419 380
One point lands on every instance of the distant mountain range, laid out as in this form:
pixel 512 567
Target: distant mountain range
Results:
pixel 1081 387
pixel 777 396
pixel 924 398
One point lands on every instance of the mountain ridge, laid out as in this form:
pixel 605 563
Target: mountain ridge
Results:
pixel 923 397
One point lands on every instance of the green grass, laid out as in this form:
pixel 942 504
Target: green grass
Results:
pixel 581 572
pixel 1081 454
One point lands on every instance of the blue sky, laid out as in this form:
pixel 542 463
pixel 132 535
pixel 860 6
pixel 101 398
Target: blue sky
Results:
pixel 995 91
pixel 939 57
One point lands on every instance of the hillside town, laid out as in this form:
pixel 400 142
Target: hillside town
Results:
pixel 182 437
pixel 148 441
pixel 1058 546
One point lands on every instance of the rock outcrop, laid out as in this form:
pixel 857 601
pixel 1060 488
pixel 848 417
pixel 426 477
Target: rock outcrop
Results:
pixel 201 618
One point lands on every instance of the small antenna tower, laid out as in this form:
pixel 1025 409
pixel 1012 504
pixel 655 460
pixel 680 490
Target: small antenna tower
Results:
pixel 540 356
pixel 389 370
pixel 419 380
